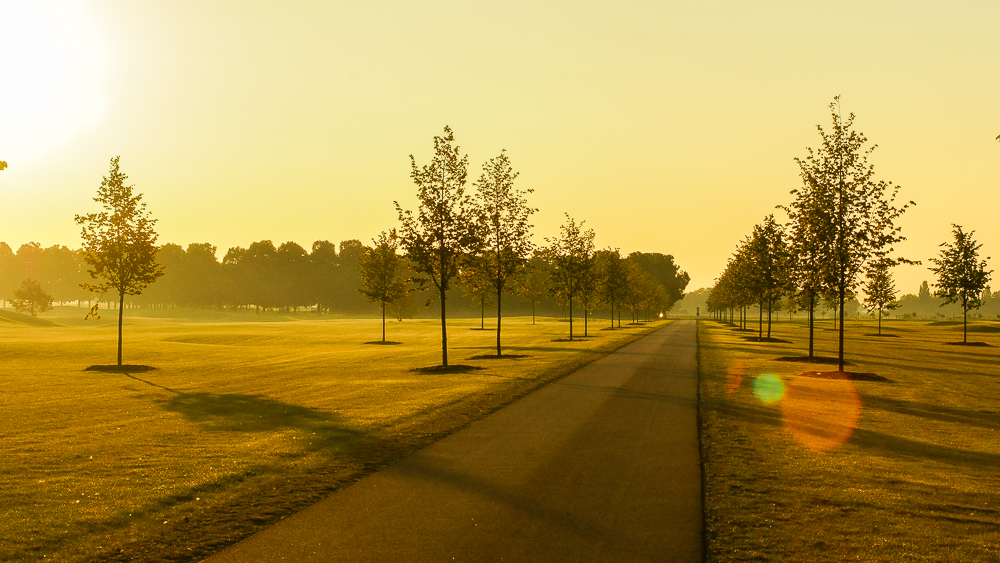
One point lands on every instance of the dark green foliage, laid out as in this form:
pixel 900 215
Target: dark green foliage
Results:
pixel 31 298
pixel 119 243
pixel 962 276
pixel 444 229
pixel 382 273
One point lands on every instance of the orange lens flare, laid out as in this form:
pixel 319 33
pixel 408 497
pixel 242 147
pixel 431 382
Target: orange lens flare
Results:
pixel 734 378
pixel 821 414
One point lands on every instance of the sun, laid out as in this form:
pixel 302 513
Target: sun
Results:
pixel 53 76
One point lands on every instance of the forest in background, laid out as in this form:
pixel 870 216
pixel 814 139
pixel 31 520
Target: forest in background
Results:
pixel 264 278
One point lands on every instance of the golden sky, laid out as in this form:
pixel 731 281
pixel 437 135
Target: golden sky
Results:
pixel 667 126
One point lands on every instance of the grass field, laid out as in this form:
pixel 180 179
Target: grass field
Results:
pixel 811 469
pixel 244 420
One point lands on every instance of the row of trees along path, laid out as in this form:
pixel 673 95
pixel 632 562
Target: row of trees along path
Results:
pixel 842 224
pixel 483 239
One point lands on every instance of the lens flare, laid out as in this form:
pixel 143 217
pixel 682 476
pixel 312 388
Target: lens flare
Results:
pixel 734 378
pixel 769 388
pixel 821 414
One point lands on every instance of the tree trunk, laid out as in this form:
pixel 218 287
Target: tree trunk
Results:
pixel 586 313
pixel 499 294
pixel 843 291
pixel 383 321
pixel 760 320
pixel 571 318
pixel 121 302
pixel 880 321
pixel 965 323
pixel 444 331
pixel 482 312
pixel 812 318
pixel 532 311
pixel 770 305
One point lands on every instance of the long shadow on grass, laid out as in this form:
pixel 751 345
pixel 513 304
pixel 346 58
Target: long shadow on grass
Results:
pixel 939 413
pixel 875 442
pixel 239 412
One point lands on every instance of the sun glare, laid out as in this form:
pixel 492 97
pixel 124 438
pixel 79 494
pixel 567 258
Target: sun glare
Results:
pixel 53 76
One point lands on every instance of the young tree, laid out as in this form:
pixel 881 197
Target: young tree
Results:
pixel 860 225
pixel 768 258
pixel 476 281
pixel 119 243
pixel 962 276
pixel 444 228
pixel 571 256
pixel 880 290
pixel 381 269
pixel 611 277
pixel 31 298
pixel 504 226
pixel 532 285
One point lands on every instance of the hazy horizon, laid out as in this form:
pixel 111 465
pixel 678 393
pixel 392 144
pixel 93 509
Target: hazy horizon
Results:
pixel 666 127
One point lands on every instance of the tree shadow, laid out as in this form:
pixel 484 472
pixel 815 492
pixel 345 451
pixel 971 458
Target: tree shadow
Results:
pixel 979 344
pixel 575 339
pixel 883 335
pixel 238 412
pixel 940 413
pixel 383 342
pixel 766 339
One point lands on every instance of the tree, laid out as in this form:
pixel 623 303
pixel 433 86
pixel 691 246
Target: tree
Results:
pixel 768 258
pixel 880 290
pixel 477 283
pixel 381 269
pixel 962 276
pixel 612 278
pixel 31 298
pixel 505 230
pixel 532 285
pixel 571 256
pixel 119 243
pixel 3 164
pixel 859 224
pixel 444 228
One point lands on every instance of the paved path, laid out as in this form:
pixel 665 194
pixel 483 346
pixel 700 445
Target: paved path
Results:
pixel 602 465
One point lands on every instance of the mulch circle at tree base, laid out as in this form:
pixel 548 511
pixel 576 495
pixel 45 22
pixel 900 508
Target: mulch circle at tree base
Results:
pixel 114 368
pixel 849 375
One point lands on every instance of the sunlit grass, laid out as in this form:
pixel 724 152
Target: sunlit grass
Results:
pixel 837 470
pixel 239 424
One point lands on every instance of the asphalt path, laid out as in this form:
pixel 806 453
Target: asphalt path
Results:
pixel 602 465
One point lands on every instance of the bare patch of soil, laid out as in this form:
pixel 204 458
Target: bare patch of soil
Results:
pixel 113 368
pixel 850 375
pixel 766 339
pixel 808 360
pixel 454 368
pixel 501 357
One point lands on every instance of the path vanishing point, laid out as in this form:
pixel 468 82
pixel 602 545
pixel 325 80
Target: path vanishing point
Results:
pixel 602 465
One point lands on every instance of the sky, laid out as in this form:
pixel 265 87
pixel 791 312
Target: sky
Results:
pixel 667 126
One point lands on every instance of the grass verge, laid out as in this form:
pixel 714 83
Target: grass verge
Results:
pixel 239 425
pixel 898 465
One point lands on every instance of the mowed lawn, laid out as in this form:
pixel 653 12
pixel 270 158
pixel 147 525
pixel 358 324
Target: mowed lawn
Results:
pixel 808 469
pixel 241 423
